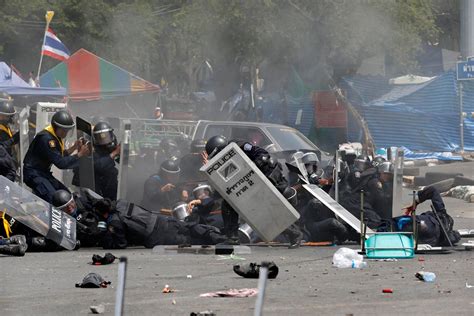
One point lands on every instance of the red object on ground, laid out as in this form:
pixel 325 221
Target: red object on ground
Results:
pixel 387 291
pixel 421 259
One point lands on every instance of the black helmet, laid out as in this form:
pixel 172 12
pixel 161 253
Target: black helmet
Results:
pixel 170 166
pixel 62 119
pixel 198 145
pixel 290 194
pixel 6 107
pixel 378 161
pixel 169 147
pixel 215 144
pixel 62 199
pixel 103 134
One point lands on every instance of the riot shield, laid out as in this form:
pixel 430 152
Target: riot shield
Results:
pixel 124 160
pixel 142 156
pixel 37 214
pixel 249 192
pixel 86 164
pixel 397 158
pixel 24 141
pixel 335 207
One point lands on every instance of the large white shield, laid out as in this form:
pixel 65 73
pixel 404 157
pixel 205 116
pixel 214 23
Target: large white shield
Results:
pixel 249 192
pixel 337 208
pixel 37 214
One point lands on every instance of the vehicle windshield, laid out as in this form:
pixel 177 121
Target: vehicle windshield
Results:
pixel 290 139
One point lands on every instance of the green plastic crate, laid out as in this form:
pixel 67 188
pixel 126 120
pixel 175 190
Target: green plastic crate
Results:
pixel 390 245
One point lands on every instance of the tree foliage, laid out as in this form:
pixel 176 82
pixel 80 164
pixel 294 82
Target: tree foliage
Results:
pixel 171 38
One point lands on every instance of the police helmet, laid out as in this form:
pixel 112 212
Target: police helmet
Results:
pixel 377 161
pixel 62 119
pixel 6 108
pixel 290 195
pixel 385 167
pixel 200 189
pixel 103 134
pixel 215 144
pixel 170 166
pixel 198 145
pixel 61 199
pixel 169 146
pixel 310 158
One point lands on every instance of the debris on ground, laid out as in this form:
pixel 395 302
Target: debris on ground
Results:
pixel 167 289
pixel 387 290
pixel 99 309
pixel 252 270
pixel 348 258
pixel 426 276
pixel 98 260
pixel 469 286
pixel 232 293
pixel 93 280
pixel 204 313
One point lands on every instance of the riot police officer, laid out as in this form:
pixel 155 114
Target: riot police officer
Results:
pixel 270 168
pixel 161 190
pixel 7 113
pixel 46 149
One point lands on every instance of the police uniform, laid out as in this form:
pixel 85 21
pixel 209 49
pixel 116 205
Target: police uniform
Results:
pixel 8 139
pixel 45 150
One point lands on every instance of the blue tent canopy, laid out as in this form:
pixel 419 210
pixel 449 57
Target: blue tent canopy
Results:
pixel 12 84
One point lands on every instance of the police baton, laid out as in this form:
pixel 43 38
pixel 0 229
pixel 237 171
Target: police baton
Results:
pixel 120 295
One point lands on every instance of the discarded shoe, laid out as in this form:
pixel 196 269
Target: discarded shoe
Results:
pixel 107 259
pixel 252 270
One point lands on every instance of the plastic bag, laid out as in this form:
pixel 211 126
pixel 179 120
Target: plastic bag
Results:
pixel 348 258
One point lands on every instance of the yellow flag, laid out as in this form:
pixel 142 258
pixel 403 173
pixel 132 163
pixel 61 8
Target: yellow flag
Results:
pixel 49 16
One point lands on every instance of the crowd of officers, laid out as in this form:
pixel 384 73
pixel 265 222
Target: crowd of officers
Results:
pixel 178 207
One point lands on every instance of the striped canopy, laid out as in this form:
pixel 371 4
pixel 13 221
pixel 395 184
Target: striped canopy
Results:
pixel 89 77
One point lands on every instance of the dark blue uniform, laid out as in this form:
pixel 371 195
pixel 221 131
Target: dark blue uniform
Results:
pixel 7 139
pixel 7 165
pixel 46 150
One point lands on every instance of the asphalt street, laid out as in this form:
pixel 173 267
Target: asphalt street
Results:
pixel 44 283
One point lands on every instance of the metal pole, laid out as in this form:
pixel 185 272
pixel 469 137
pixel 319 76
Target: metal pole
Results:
pixel 120 295
pixel 49 17
pixel 262 283
pixel 461 117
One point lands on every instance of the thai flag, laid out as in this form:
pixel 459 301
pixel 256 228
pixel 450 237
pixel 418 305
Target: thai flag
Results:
pixel 53 47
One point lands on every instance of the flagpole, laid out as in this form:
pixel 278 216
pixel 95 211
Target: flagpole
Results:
pixel 49 16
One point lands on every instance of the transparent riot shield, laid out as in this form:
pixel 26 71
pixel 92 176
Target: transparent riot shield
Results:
pixel 335 207
pixel 24 141
pixel 142 153
pixel 85 172
pixel 397 159
pixel 37 214
pixel 124 160
pixel 249 192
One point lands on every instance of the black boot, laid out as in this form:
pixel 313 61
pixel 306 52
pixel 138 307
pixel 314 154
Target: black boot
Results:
pixel 14 246
pixel 294 235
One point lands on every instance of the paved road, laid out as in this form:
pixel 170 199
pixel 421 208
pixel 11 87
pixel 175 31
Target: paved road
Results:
pixel 43 283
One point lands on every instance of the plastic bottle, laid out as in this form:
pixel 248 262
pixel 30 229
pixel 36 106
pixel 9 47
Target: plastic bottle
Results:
pixel 359 264
pixel 426 276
